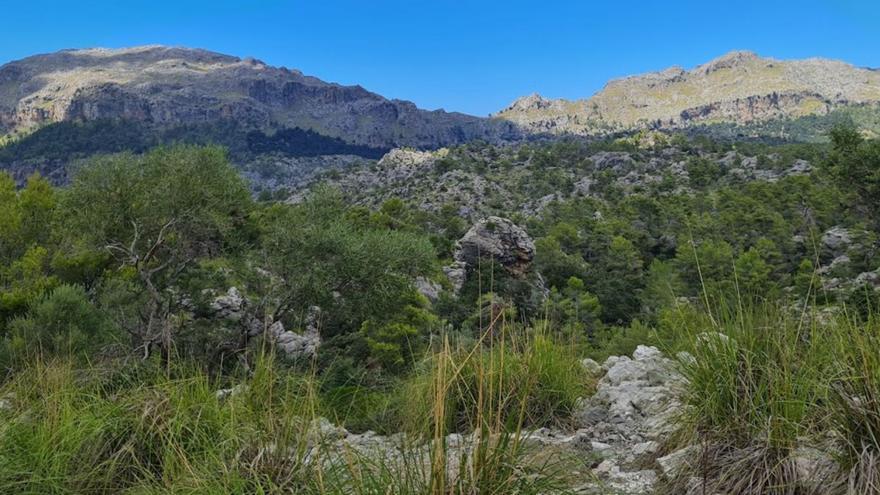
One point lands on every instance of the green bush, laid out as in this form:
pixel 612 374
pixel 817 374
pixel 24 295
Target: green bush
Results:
pixel 63 323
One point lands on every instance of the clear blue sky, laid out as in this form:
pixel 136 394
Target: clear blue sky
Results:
pixel 468 56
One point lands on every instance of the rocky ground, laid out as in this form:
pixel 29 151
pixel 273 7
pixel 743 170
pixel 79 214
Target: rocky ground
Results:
pixel 617 433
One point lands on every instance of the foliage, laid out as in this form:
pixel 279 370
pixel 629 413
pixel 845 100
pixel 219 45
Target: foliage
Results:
pixel 326 258
pixel 63 323
pixel 512 380
pixel 299 142
pixel 855 165
pixel 157 214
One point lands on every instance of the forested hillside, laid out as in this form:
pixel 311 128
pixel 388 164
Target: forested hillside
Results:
pixel 154 306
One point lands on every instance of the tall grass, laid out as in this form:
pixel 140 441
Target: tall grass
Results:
pixel 65 430
pixel 511 379
pixel 522 379
pixel 765 383
pixel 854 405
pixel 72 432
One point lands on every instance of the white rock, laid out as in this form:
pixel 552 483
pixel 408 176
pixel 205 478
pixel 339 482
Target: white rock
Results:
pixel 228 393
pixel 592 367
pixel 644 352
pixel 672 464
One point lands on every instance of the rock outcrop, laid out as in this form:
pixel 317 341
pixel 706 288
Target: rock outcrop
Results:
pixel 493 238
pixel 499 239
pixel 298 345
pixel 619 430
pixel 630 415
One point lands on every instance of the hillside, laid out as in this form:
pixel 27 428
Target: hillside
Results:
pixel 738 88
pixel 168 87
pixel 480 180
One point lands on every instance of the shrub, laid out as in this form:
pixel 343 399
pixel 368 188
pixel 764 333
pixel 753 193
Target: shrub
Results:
pixel 757 378
pixel 63 323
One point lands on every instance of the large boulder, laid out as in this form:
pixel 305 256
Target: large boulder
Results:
pixel 499 239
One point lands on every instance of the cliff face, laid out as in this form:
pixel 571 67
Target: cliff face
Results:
pixel 740 88
pixel 174 86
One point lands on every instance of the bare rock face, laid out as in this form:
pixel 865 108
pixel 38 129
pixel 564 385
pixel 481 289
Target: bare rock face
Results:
pixel 169 86
pixel 837 240
pixel 500 239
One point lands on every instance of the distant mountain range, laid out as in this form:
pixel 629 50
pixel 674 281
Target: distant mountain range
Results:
pixel 166 87
pixel 738 88
pixel 60 107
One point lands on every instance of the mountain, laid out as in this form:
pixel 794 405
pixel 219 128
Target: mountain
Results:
pixel 738 88
pixel 165 87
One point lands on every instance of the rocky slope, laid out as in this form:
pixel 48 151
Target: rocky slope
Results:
pixel 489 180
pixel 739 87
pixel 167 86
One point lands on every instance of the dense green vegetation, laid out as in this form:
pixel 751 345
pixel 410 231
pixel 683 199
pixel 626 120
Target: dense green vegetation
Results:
pixel 155 233
pixel 112 346
pixel 809 128
pixel 69 140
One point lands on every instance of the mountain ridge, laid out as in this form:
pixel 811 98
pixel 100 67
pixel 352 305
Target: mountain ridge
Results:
pixel 164 86
pixel 738 87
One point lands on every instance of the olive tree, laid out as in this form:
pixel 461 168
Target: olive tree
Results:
pixel 155 215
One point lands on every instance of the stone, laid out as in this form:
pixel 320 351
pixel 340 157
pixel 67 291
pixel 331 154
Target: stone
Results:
pixel 457 274
pixel 814 466
pixel 428 288
pixel 228 306
pixel 500 239
pixel 295 345
pixel 228 393
pixel 645 448
pixel 323 430
pixel 592 367
pixel 601 448
pixel 836 240
pixel 625 482
pixel 644 352
pixel 673 464
pixel 610 361
pixel 870 279
pixel 631 413
pixel 7 403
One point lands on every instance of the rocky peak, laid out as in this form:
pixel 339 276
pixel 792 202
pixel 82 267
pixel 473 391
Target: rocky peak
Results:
pixel 533 101
pixel 729 60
